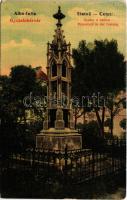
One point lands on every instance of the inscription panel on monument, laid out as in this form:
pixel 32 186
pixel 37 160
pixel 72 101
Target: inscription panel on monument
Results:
pixel 54 142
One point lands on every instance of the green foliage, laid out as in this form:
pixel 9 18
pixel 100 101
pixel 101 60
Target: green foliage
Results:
pixel 35 127
pixel 123 124
pixel 80 126
pixel 91 136
pixel 13 126
pixel 11 137
pixel 100 69
pixel 23 80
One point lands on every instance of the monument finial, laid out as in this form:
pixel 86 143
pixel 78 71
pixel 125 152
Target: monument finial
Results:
pixel 59 15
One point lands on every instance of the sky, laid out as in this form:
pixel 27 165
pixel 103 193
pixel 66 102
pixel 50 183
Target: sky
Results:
pixel 26 43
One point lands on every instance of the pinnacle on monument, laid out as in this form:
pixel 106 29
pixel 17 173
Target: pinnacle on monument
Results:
pixel 59 15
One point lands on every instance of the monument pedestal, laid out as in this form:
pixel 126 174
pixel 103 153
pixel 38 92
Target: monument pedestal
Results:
pixel 53 139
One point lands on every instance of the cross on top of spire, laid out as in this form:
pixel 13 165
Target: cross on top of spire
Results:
pixel 59 15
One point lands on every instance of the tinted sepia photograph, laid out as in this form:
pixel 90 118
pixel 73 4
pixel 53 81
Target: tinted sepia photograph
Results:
pixel 63 99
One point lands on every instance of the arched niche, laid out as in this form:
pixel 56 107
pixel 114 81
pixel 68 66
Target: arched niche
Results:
pixel 53 68
pixel 64 68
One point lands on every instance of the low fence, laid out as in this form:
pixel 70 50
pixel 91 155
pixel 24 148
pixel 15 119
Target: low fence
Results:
pixel 70 166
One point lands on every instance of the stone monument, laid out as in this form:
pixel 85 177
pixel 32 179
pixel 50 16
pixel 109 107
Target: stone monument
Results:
pixel 58 127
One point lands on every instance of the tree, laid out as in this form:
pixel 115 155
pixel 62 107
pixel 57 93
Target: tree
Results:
pixel 17 86
pixel 24 83
pixel 100 70
pixel 23 80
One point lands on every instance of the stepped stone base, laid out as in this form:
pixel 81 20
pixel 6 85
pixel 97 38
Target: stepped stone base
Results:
pixel 53 139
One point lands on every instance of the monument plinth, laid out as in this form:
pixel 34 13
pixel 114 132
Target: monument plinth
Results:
pixel 58 126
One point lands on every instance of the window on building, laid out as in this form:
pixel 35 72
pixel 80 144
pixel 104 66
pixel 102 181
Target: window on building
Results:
pixel 64 68
pixel 54 69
